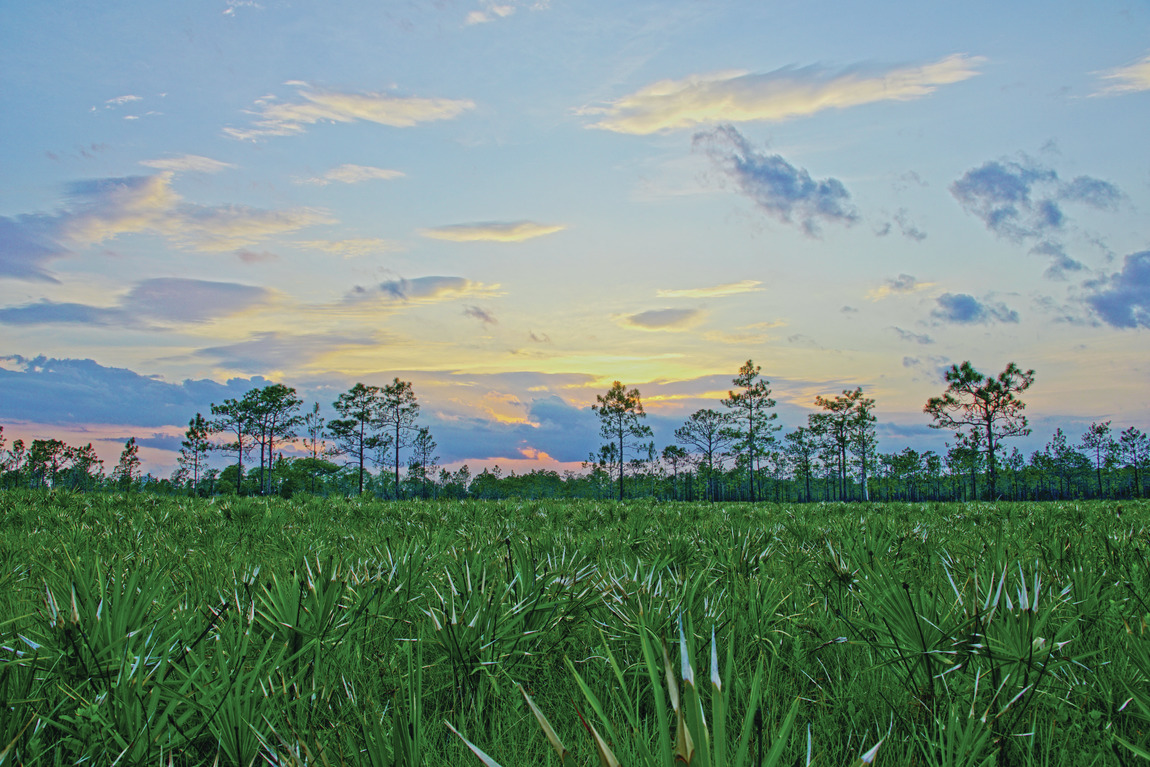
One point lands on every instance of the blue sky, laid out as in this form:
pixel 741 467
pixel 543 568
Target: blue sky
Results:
pixel 514 204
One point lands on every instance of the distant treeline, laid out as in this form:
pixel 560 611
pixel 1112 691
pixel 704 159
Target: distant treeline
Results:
pixel 734 453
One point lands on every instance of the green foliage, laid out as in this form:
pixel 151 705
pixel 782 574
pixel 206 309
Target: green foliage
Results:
pixel 140 630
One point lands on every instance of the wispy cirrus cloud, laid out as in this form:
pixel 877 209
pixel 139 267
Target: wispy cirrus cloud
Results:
pixel 163 301
pixel 353 174
pixel 103 209
pixel 351 248
pixel 715 291
pixel 1122 299
pixel 314 105
pixel 740 96
pixel 907 227
pixel 481 314
pixel 27 244
pixel 1131 78
pixel 188 163
pixel 782 191
pixel 272 351
pixel 907 335
pixel 256 256
pixel 965 309
pixel 492 231
pixel 904 284
pixel 661 319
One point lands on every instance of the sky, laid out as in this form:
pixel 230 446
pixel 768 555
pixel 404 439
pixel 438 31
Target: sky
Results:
pixel 514 204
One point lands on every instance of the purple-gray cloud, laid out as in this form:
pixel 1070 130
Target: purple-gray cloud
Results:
pixel 784 192
pixel 964 309
pixel 163 300
pixel 1021 200
pixel 70 391
pixel 26 244
pixel 483 315
pixel 1122 300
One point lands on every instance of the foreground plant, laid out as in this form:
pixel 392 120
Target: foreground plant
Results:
pixel 696 741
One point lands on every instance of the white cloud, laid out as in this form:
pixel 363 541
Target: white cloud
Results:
pixel 275 118
pixel 786 93
pixel 492 231
pixel 715 291
pixel 1128 79
pixel 353 174
pixel 188 162
pixel 491 10
pixel 352 248
pixel 121 100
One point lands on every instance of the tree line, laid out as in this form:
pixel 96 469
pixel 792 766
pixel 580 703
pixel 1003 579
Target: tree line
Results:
pixel 733 452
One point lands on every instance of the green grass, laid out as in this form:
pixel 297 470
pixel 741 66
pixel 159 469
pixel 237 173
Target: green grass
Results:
pixel 140 630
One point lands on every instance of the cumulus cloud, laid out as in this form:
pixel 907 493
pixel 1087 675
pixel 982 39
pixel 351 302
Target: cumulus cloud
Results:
pixel 421 290
pixel 1020 200
pixel 715 291
pixel 188 162
pixel 1128 79
pixel 492 231
pixel 964 309
pixel 483 315
pixel 662 319
pixel 168 300
pixel 1122 300
pixel 351 248
pixel 904 284
pixel 353 174
pixel 313 105
pixel 739 96
pixel 784 192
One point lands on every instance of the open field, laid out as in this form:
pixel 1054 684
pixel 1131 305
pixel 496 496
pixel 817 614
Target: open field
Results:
pixel 141 630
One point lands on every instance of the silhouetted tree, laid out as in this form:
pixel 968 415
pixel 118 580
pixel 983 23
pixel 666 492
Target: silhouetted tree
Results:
pixel 1098 443
pixel 128 468
pixel 398 411
pixel 753 421
pixel 236 419
pixel 356 434
pixel 1134 451
pixel 195 447
pixel 710 434
pixel 988 404
pixel 620 420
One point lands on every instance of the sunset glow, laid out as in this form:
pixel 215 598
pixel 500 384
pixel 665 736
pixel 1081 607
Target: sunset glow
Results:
pixel 514 205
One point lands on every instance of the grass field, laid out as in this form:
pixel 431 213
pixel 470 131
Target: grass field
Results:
pixel 140 630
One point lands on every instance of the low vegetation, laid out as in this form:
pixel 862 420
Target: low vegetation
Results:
pixel 142 630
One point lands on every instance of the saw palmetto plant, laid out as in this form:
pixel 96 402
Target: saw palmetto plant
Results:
pixel 141 630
